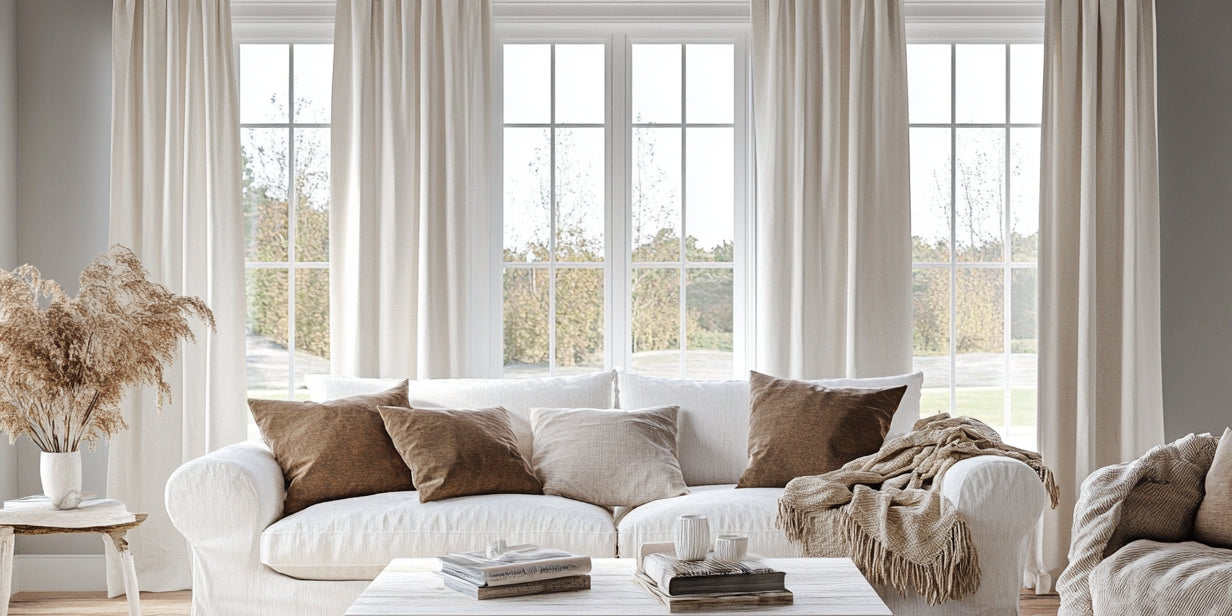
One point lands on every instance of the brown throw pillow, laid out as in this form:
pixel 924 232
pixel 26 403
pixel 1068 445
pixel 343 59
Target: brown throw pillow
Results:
pixel 460 452
pixel 798 429
pixel 332 450
pixel 1213 522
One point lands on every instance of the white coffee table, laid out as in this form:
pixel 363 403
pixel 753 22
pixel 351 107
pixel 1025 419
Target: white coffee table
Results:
pixel 407 587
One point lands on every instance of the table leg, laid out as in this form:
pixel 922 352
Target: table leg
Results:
pixel 6 568
pixel 132 592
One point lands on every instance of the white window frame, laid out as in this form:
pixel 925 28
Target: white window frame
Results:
pixel 284 23
pixel 619 31
pixel 1000 22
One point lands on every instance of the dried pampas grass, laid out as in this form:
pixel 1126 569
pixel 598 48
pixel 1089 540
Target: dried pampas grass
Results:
pixel 66 362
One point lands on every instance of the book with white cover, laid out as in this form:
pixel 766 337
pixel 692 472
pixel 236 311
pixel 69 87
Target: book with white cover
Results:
pixel 516 564
pixel 38 511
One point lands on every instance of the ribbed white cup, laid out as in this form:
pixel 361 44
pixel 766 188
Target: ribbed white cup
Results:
pixel 731 547
pixel 692 537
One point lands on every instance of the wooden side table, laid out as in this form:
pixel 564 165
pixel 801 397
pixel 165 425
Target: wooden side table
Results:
pixel 113 539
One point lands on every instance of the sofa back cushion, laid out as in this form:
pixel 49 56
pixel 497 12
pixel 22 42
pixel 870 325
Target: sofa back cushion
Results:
pixel 713 423
pixel 517 396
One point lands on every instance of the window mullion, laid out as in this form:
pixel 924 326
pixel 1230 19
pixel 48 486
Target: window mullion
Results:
pixel 684 201
pixel 742 262
pixel 953 229
pixel 618 340
pixel 552 211
pixel 291 221
pixel 1007 257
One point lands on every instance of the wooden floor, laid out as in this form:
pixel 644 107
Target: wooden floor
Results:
pixel 176 604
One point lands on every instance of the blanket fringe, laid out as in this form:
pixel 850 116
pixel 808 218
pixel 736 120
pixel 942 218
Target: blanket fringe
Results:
pixel 952 575
pixel 1050 485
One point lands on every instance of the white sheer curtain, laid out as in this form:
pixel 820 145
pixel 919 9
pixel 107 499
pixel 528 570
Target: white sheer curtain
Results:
pixel 175 200
pixel 833 262
pixel 1100 392
pixel 409 226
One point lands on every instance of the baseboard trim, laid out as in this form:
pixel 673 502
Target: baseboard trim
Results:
pixel 59 572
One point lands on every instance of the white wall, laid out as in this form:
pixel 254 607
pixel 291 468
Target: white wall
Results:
pixel 1195 167
pixel 8 186
pixel 63 166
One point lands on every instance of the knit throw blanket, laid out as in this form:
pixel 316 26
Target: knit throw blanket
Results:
pixel 885 510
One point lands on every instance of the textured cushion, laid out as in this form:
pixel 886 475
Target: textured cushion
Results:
pixel 459 452
pixel 748 512
pixel 798 429
pixel 1148 578
pixel 354 539
pixel 610 458
pixel 714 417
pixel 1156 510
pixel 515 395
pixel 1213 522
pixel 335 449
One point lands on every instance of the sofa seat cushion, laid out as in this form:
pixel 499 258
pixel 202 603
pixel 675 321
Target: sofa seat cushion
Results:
pixel 1151 578
pixel 747 511
pixel 353 539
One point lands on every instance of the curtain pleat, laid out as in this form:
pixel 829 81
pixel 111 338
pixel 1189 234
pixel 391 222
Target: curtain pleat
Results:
pixel 176 201
pixel 409 187
pixel 833 213
pixel 1100 382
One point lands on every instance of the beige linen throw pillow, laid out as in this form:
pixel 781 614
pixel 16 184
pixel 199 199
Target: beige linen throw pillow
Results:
pixel 609 458
pixel 1213 522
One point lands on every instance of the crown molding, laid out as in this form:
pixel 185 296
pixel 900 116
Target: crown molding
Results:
pixel 608 11
pixel 972 21
pixel 303 21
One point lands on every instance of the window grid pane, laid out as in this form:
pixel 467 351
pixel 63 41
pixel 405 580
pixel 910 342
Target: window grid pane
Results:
pixel 674 265
pixel 286 207
pixel 975 306
pixel 683 203
pixel 554 203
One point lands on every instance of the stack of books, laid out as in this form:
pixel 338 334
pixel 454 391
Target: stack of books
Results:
pixel 516 571
pixel 689 585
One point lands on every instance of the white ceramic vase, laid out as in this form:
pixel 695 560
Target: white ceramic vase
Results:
pixel 692 536
pixel 61 476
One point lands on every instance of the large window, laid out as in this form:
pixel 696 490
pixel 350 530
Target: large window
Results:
pixel 975 140
pixel 284 115
pixel 622 200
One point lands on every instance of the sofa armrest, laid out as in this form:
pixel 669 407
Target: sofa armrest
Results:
pixel 1002 500
pixel 225 499
pixel 995 490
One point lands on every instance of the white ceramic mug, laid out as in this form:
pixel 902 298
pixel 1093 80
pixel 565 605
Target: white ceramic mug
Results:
pixel 731 547
pixel 692 537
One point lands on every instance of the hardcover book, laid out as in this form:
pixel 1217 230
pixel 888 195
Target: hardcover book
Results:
pixel 538 587
pixel 517 564
pixel 677 577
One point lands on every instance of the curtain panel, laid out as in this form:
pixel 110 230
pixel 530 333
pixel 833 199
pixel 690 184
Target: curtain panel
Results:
pixel 408 218
pixel 833 252
pixel 176 201
pixel 1100 391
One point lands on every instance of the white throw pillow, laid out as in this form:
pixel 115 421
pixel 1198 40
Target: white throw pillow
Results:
pixel 606 457
pixel 514 395
pixel 714 417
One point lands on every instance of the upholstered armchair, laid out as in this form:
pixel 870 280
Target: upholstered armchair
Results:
pixel 1135 548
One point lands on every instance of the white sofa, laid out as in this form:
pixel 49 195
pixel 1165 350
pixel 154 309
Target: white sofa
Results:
pixel 248 560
